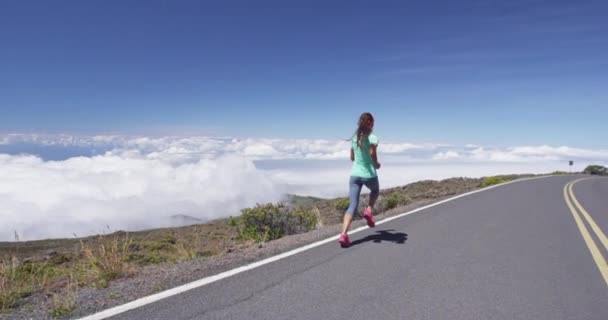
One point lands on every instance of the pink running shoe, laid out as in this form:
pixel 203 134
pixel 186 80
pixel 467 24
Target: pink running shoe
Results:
pixel 344 241
pixel 369 216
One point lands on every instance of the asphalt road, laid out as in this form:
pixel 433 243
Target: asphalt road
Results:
pixel 513 252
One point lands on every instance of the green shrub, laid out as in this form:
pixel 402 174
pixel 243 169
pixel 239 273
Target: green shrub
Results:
pixel 21 279
pixel 395 199
pixel 490 181
pixel 559 172
pixel 166 243
pixel 233 221
pixel 342 204
pixel 595 169
pixel 273 221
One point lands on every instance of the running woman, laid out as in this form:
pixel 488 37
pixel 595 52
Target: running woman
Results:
pixel 363 154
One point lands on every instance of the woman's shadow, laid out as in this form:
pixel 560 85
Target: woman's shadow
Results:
pixel 383 235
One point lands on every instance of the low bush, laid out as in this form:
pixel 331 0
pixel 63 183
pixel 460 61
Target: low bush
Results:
pixel 342 204
pixel 273 221
pixel 597 170
pixel 395 199
pixel 490 181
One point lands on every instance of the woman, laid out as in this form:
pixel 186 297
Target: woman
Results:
pixel 363 153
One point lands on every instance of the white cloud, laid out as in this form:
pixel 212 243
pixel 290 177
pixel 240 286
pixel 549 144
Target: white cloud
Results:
pixel 536 153
pixel 142 181
pixel 81 195
pixel 260 150
pixel 192 147
pixel 399 147
pixel 446 155
pixel 482 154
pixel 178 150
pixel 562 152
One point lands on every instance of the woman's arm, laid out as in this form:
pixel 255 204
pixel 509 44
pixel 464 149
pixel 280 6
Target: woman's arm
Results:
pixel 374 155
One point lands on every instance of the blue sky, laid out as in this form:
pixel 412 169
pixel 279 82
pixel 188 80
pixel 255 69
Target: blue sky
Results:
pixel 484 72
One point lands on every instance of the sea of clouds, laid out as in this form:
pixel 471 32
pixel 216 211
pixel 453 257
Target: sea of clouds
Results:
pixel 55 186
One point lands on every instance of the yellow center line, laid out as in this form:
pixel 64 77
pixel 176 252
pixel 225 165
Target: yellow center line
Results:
pixel 594 226
pixel 595 252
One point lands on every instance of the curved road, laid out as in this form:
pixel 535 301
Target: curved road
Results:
pixel 518 251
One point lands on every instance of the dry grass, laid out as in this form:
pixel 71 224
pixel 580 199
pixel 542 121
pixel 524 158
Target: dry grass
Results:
pixel 65 300
pixel 10 286
pixel 57 268
pixel 189 248
pixel 106 259
pixel 21 278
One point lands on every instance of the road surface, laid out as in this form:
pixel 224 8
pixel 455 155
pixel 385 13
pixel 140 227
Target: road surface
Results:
pixel 519 251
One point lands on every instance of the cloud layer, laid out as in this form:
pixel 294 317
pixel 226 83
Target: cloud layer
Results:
pixel 42 199
pixel 188 149
pixel 132 183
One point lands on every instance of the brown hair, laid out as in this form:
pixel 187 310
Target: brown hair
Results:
pixel 366 125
